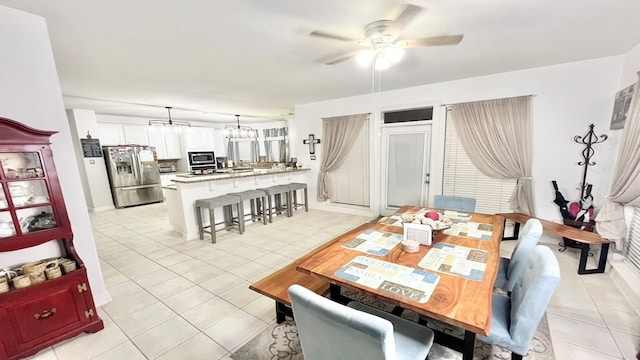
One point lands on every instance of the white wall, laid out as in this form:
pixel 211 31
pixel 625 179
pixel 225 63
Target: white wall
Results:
pixel 30 93
pixel 568 97
pixel 93 172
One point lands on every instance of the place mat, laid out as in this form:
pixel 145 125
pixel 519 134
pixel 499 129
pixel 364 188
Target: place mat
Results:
pixel 374 242
pixel 407 282
pixel 393 220
pixel 474 230
pixel 456 215
pixel 456 260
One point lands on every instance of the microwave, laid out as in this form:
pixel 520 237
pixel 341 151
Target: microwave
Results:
pixel 200 158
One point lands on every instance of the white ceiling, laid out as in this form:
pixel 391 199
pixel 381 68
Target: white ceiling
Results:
pixel 216 58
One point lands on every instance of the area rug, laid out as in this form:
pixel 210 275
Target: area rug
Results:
pixel 280 342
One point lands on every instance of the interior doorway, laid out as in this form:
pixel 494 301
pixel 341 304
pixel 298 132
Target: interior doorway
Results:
pixel 405 166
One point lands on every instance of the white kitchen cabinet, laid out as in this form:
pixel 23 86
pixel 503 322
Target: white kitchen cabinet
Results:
pixel 199 138
pixel 220 144
pixel 136 134
pixel 166 142
pixel 166 179
pixel 173 145
pixel 207 139
pixel 110 134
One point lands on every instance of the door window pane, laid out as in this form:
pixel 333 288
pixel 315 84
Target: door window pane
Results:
pixel 404 168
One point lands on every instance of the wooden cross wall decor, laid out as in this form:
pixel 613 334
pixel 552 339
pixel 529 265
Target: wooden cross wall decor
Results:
pixel 311 141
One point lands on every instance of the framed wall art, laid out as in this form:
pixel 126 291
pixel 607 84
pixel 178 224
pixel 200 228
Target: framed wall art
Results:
pixel 621 107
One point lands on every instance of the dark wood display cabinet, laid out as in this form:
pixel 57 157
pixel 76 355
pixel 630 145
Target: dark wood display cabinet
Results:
pixel 33 212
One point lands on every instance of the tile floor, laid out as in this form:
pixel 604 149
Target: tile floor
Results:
pixel 190 300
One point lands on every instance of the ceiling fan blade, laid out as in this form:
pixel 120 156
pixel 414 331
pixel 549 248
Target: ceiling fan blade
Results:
pixel 332 36
pixel 408 13
pixel 340 58
pixel 434 41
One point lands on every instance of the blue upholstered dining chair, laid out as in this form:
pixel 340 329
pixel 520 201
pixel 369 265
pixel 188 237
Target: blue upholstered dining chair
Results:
pixel 514 319
pixel 510 269
pixel 457 203
pixel 329 330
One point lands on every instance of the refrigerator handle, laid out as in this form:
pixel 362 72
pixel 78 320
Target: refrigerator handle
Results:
pixel 135 162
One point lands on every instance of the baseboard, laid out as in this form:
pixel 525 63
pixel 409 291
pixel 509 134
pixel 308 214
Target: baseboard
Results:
pixel 345 209
pixel 101 298
pixel 102 208
pixel 627 279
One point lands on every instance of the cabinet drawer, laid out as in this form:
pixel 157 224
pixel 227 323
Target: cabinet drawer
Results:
pixel 46 316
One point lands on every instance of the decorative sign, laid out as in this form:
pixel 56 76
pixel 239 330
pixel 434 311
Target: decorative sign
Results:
pixel 404 281
pixel 418 232
pixel 311 141
pixel 621 107
pixel 91 148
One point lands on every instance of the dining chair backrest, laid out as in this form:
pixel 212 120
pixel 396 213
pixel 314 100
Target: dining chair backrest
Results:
pixel 329 330
pixel 531 294
pixel 457 203
pixel 514 319
pixel 527 240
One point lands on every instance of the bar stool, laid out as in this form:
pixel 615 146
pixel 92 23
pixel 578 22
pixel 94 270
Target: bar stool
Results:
pixel 293 189
pixel 276 193
pixel 258 200
pixel 226 202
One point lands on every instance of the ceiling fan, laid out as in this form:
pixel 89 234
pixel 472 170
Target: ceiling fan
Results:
pixel 382 40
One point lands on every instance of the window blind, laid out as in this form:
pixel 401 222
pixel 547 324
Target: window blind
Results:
pixel 349 183
pixel 462 178
pixel 633 251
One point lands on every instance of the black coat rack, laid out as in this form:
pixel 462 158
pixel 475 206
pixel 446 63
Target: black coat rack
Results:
pixel 589 139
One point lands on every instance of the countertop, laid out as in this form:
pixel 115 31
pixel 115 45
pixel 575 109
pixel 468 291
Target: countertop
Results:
pixel 188 178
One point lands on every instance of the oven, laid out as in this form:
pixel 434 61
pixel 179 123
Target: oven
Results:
pixel 202 158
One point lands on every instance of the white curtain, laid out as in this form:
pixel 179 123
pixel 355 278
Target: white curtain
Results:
pixel 625 186
pixel 496 134
pixel 339 133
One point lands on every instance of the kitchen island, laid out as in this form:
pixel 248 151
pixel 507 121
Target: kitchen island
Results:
pixel 187 188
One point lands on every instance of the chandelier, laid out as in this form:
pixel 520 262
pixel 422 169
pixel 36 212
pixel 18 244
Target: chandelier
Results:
pixel 382 53
pixel 169 122
pixel 237 131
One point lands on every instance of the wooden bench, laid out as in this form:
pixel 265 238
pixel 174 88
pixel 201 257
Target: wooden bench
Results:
pixel 276 285
pixel 584 239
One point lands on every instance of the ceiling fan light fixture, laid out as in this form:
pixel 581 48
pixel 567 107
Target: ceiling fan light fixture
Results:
pixel 393 54
pixel 382 63
pixel 365 58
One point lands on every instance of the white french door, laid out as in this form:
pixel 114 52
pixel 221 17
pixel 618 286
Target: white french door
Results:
pixel 405 156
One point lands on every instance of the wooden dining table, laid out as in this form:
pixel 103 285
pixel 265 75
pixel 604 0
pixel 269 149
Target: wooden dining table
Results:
pixel 456 300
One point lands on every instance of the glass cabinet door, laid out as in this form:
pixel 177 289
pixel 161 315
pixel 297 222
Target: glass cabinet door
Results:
pixel 24 193
pixel 6 223
pixel 3 199
pixel 22 165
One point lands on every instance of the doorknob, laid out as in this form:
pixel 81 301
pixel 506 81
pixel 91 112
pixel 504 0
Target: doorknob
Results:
pixel 427 178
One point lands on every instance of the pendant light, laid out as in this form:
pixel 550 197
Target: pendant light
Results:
pixel 237 131
pixel 169 122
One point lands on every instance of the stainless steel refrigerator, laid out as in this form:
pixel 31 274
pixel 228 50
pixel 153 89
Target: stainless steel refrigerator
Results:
pixel 133 174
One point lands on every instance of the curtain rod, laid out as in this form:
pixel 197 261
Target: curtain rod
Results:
pixel 448 106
